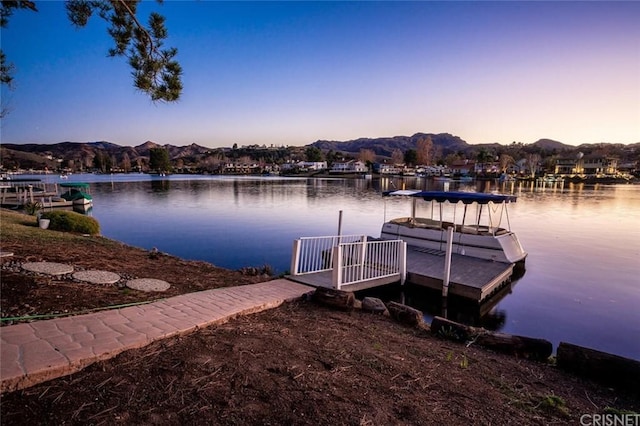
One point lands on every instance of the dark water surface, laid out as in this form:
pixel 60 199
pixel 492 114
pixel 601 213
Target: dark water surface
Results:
pixel 582 283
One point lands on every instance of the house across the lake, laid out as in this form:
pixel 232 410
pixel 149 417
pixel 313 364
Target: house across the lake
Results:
pixel 588 165
pixel 348 167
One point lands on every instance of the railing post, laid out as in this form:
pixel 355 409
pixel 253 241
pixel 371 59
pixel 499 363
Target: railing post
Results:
pixel 295 257
pixel 402 260
pixel 337 267
pixel 363 256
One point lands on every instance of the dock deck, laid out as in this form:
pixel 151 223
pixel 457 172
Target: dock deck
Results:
pixel 324 279
pixel 470 277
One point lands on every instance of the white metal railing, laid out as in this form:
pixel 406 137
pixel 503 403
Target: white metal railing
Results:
pixel 367 260
pixel 315 254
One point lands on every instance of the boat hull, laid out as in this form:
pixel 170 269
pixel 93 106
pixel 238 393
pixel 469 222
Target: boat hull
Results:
pixel 502 247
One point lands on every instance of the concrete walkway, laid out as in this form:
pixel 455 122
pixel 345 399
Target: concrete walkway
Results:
pixel 32 353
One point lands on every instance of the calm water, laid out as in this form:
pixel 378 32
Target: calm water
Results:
pixel 582 283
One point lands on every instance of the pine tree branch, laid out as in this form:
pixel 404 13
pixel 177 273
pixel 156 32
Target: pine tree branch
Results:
pixel 152 48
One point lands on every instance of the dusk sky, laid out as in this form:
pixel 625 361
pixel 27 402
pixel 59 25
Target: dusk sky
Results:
pixel 294 72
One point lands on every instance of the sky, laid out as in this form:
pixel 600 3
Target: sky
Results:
pixel 291 73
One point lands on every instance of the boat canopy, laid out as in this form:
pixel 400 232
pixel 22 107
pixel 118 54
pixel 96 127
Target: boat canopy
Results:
pixel 78 185
pixel 454 197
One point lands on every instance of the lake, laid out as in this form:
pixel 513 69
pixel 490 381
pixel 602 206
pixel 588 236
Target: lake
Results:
pixel 582 283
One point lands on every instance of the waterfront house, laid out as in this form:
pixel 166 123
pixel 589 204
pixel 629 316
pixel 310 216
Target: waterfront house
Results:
pixel 463 167
pixel 348 167
pixel 589 165
pixel 387 169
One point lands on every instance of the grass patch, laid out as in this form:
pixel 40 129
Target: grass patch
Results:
pixel 18 226
pixel 72 222
pixel 555 403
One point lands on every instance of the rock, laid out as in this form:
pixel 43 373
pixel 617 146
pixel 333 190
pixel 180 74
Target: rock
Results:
pixel 405 314
pixel 374 305
pixel 335 298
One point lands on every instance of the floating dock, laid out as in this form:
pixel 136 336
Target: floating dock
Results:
pixel 470 277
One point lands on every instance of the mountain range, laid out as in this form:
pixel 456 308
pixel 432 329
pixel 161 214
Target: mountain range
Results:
pixel 39 155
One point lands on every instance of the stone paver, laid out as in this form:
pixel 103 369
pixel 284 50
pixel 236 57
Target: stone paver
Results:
pixel 97 277
pixel 50 268
pixel 148 284
pixel 31 353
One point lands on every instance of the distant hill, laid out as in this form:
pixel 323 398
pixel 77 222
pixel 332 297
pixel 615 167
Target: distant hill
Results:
pixel 550 145
pixel 386 145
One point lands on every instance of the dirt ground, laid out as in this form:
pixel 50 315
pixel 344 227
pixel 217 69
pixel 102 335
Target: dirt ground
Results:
pixel 297 364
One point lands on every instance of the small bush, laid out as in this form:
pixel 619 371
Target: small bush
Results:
pixel 32 208
pixel 72 222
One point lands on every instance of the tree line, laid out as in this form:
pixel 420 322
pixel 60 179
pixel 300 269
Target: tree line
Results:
pixel 425 153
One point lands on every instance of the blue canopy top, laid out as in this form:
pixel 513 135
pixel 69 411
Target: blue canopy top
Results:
pixel 454 197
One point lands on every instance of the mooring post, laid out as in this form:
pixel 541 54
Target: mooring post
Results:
pixel 340 223
pixel 447 263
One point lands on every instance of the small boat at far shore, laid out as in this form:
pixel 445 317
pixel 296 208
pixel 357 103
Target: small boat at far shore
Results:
pixel 483 237
pixel 77 193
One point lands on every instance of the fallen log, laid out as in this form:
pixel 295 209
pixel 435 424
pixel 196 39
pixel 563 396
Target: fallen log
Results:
pixel 606 368
pixel 451 330
pixel 405 314
pixel 520 346
pixel 338 299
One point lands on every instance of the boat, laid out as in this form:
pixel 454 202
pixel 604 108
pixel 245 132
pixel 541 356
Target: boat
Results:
pixel 550 179
pixel 443 178
pixel 484 238
pixel 77 193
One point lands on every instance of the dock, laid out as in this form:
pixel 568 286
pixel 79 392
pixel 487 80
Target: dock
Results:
pixel 328 262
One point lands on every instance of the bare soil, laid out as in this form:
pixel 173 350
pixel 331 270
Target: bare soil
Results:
pixel 297 364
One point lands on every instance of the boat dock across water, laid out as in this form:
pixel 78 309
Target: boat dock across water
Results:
pixel 17 193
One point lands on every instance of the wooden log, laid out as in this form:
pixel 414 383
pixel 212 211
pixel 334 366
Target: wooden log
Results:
pixel 339 299
pixel 405 314
pixel 520 346
pixel 606 368
pixel 451 330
